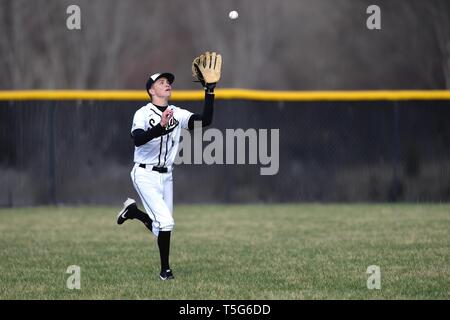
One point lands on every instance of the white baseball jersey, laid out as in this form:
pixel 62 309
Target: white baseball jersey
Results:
pixel 154 188
pixel 160 151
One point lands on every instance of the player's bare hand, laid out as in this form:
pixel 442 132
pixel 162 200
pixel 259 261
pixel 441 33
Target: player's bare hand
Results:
pixel 166 116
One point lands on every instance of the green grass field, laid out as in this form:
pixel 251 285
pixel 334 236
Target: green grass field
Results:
pixel 230 252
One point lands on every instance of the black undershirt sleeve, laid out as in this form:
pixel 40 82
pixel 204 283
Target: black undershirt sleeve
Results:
pixel 141 137
pixel 206 116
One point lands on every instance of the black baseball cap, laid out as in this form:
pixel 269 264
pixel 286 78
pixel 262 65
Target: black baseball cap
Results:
pixel 156 76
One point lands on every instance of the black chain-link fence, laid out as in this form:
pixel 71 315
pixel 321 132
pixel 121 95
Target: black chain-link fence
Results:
pixel 80 152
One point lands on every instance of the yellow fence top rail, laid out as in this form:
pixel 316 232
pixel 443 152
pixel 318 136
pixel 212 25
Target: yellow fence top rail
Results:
pixel 229 94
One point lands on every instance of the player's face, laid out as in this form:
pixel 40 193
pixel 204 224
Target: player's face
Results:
pixel 161 88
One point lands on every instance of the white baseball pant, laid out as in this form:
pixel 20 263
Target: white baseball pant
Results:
pixel 156 192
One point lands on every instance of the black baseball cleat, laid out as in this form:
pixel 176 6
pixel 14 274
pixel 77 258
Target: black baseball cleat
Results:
pixel 166 275
pixel 122 216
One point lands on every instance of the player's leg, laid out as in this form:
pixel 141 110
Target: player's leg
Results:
pixel 164 251
pixel 162 229
pixel 168 191
pixel 149 186
pixel 131 211
pixel 164 236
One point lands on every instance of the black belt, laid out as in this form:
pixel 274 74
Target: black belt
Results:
pixel 158 169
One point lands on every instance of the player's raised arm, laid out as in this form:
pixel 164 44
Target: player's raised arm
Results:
pixel 207 115
pixel 206 69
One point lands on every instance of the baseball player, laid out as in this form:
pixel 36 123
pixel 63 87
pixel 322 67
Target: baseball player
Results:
pixel 156 133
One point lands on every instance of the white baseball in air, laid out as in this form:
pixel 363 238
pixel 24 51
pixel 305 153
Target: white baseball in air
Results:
pixel 233 15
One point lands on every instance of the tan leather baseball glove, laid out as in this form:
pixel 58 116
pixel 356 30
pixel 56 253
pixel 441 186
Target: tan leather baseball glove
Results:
pixel 207 68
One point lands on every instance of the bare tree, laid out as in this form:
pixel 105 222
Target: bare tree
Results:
pixel 289 44
pixel 441 23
